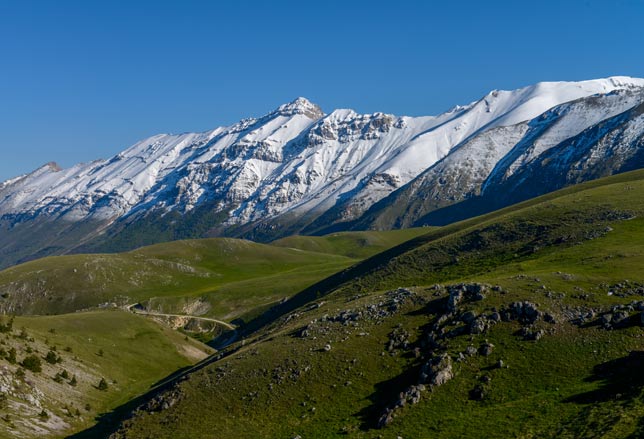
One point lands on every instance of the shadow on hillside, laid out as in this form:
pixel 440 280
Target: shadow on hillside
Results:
pixel 621 378
pixel 387 392
pixel 108 423
pixel 621 384
pixel 335 281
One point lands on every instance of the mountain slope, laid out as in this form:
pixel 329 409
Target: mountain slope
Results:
pixel 615 145
pixel 294 169
pixel 484 161
pixel 533 329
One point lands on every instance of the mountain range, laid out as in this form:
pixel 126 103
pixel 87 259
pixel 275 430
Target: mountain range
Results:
pixel 298 170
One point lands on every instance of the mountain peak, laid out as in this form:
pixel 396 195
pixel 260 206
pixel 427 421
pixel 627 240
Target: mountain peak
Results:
pixel 300 106
pixel 53 167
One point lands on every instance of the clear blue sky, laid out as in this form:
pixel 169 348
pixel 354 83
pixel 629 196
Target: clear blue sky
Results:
pixel 81 80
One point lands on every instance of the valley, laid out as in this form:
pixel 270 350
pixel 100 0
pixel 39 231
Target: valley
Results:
pixel 96 332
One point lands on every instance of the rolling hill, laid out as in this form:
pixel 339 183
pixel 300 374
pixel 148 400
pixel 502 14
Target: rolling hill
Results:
pixel 522 322
pixel 219 277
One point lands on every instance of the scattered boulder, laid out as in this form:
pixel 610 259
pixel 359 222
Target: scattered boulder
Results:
pixel 386 418
pixel 411 396
pixel 619 318
pixel 437 371
pixel 479 325
pixel 304 332
pixel 398 339
pixel 606 320
pixel 529 333
pixel 486 349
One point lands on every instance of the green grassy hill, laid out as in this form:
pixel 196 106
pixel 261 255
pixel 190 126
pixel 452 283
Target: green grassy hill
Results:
pixel 183 276
pixel 129 352
pixel 221 277
pixel 357 245
pixel 526 322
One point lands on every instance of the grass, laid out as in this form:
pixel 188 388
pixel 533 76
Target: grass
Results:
pixel 184 269
pixel 357 245
pixel 563 251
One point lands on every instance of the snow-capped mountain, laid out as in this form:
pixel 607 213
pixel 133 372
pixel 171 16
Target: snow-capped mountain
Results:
pixel 483 162
pixel 298 169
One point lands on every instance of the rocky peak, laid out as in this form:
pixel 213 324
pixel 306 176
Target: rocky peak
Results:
pixel 52 166
pixel 300 106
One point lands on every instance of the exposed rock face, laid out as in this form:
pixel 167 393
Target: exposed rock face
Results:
pixel 464 292
pixel 486 349
pixel 438 370
pixel 526 312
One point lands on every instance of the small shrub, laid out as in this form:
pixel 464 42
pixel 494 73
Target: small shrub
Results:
pixel 52 357
pixel 23 333
pixel 32 363
pixel 102 384
pixel 43 414
pixel 73 381
pixel 11 356
pixel 6 327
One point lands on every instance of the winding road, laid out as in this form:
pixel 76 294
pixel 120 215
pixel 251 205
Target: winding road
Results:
pixel 134 310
